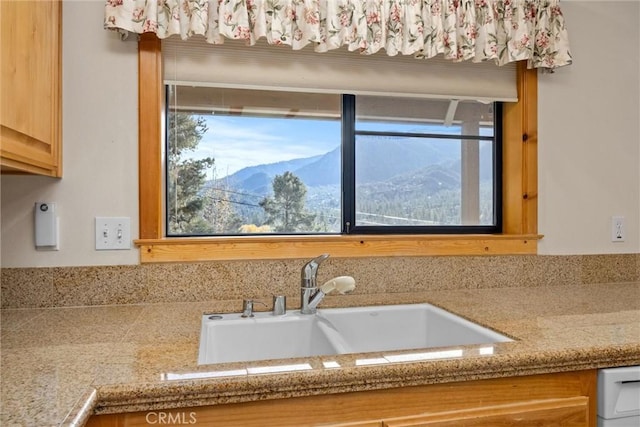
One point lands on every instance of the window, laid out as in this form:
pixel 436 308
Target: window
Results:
pixel 243 162
pixel 422 166
pixel 269 162
pixel 519 193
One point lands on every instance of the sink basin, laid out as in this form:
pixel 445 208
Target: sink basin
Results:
pixel 231 338
pixel 403 327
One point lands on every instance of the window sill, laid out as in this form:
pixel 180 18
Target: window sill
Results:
pixel 285 247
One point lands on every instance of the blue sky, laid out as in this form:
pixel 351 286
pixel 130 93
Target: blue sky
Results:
pixel 238 142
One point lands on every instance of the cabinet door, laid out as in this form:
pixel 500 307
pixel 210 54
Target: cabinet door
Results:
pixel 549 400
pixel 30 81
pixel 569 412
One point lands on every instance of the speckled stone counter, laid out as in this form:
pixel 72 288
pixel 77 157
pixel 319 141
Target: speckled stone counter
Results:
pixel 60 365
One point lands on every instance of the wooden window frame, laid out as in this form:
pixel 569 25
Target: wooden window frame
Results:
pixel 520 190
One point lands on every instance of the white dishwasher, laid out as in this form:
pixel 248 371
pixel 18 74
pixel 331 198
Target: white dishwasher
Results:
pixel 619 397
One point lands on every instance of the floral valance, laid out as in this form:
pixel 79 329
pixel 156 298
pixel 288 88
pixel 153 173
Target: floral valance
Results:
pixel 476 30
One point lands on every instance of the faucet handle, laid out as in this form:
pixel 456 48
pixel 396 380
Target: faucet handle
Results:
pixel 318 260
pixel 310 270
pixel 247 307
pixel 279 305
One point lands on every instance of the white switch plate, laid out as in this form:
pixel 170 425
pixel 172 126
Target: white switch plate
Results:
pixel 617 229
pixel 113 233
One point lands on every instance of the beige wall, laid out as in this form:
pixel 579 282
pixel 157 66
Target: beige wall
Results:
pixel 100 157
pixel 589 143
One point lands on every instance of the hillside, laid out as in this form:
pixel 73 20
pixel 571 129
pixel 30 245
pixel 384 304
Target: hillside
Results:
pixel 379 159
pixel 405 177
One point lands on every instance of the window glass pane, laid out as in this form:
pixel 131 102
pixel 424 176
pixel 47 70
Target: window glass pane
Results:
pixel 414 168
pixel 415 115
pixel 245 161
pixel 403 181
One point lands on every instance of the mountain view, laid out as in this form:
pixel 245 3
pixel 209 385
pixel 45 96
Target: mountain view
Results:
pixel 400 181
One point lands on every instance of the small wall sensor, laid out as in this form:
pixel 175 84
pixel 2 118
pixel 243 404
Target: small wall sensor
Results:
pixel 46 226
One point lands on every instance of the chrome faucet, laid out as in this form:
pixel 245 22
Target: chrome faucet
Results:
pixel 247 307
pixel 310 296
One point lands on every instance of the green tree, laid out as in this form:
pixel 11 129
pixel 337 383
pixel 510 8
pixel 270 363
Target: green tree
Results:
pixel 286 211
pixel 185 176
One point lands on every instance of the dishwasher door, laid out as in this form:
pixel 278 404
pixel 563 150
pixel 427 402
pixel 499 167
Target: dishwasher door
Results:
pixel 619 397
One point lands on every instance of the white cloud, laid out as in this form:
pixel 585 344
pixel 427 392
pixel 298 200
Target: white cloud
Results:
pixel 237 142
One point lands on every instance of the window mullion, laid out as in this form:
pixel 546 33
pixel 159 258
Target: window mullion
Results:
pixel 348 163
pixel 499 167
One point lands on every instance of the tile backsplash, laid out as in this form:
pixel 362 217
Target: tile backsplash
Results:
pixel 226 280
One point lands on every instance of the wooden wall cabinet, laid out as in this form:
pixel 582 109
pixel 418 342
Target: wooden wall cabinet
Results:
pixel 561 400
pixel 30 87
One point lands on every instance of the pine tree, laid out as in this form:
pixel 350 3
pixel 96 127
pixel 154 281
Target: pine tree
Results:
pixel 286 211
pixel 185 176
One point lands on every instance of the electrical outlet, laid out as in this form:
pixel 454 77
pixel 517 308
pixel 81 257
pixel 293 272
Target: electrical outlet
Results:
pixel 113 233
pixel 617 229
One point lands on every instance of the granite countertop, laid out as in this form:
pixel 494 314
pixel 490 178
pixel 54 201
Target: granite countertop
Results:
pixel 60 365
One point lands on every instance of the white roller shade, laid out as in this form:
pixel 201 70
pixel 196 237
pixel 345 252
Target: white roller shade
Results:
pixel 232 64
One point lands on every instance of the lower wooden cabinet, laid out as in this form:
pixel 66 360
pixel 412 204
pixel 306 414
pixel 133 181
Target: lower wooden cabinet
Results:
pixel 558 400
pixel 571 411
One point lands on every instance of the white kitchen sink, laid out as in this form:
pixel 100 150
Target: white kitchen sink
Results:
pixel 231 338
pixel 402 327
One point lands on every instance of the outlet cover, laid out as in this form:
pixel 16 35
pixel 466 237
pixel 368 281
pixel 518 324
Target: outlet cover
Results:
pixel 113 233
pixel 617 229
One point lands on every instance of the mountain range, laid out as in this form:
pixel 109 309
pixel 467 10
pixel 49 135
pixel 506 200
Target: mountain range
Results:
pixel 382 162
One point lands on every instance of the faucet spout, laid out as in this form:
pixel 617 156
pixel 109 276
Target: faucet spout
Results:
pixel 313 302
pixel 310 271
pixel 310 295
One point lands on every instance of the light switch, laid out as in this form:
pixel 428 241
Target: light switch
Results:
pixel 113 233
